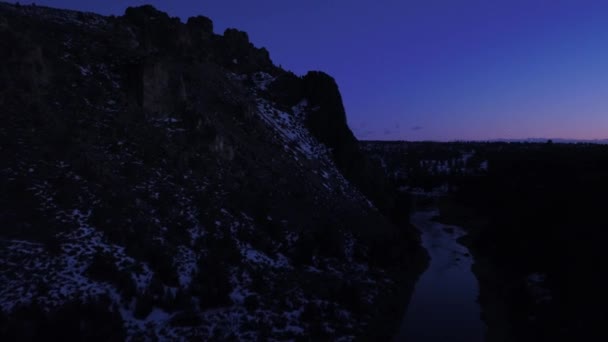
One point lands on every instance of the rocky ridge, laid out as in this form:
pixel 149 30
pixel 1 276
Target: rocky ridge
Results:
pixel 163 181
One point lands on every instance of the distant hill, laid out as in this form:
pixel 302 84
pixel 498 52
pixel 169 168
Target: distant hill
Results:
pixel 555 140
pixel 528 140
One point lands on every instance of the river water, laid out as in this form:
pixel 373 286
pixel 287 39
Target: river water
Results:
pixel 444 303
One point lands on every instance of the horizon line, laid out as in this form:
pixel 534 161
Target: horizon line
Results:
pixel 529 140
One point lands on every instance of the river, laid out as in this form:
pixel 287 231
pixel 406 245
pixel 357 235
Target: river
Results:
pixel 444 304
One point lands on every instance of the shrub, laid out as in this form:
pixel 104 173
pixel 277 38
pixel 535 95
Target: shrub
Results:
pixel 212 284
pixel 188 318
pixel 103 268
pixel 251 302
pixel 143 306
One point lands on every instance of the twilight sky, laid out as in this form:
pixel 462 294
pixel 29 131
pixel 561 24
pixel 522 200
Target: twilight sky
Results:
pixel 432 69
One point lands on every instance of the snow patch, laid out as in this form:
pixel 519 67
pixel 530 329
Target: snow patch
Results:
pixel 262 80
pixel 256 257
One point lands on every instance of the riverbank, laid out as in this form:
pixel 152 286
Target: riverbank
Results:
pixel 444 303
pixel 536 223
pixel 493 304
pixel 392 304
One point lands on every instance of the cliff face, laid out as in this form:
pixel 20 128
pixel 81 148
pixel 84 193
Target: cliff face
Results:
pixel 160 180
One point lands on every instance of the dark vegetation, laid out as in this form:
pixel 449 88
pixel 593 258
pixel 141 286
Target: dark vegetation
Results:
pixel 538 208
pixel 75 321
pixel 545 206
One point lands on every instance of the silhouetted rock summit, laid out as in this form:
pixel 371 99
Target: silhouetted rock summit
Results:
pixel 163 181
pixel 200 25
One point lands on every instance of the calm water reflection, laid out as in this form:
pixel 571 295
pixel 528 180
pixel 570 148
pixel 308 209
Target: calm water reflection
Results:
pixel 444 304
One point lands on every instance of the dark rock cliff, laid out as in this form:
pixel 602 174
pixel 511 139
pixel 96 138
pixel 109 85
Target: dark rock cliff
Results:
pixel 159 180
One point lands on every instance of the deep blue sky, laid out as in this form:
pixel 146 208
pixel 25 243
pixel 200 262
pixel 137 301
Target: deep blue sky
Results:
pixel 432 69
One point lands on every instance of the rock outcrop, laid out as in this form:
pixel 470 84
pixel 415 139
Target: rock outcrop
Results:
pixel 163 181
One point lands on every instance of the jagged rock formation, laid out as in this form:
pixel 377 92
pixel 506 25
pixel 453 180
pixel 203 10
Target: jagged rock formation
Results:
pixel 162 181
